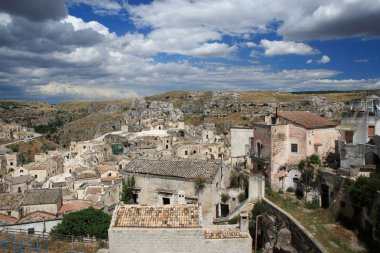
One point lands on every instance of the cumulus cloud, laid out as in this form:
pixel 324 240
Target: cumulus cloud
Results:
pixel 35 10
pixel 324 59
pixel 106 7
pixel 310 61
pixel 273 48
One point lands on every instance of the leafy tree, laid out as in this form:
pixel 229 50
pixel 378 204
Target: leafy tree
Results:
pixel 363 191
pixel 86 222
pixel 127 191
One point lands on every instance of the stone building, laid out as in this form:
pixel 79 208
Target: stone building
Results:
pixel 285 139
pixel 45 200
pixel 44 169
pixel 168 182
pixel 174 229
pixel 9 204
pixel 241 145
pixel 20 184
pixel 359 144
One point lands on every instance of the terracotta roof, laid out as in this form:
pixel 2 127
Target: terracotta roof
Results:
pixel 105 167
pixel 307 119
pixel 76 206
pixel 6 219
pixel 37 216
pixel 188 169
pixel 158 216
pixel 10 201
pixel 94 190
pixel 41 197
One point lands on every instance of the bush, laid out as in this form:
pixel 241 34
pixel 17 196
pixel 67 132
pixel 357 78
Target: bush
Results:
pixel 314 204
pixel 314 159
pixel 242 197
pixel 363 191
pixel 290 189
pixel 280 192
pixel 224 197
pixel 234 179
pixel 258 208
pixel 127 190
pixel 89 221
pixel 199 184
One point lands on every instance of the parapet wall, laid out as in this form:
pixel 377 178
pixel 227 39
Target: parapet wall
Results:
pixel 302 239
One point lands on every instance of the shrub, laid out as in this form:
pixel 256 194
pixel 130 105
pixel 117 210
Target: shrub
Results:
pixel 314 159
pixel 234 179
pixel 242 197
pixel 225 197
pixel 314 204
pixel 302 164
pixel 363 191
pixel 199 184
pixel 290 189
pixel 258 208
pixel 127 190
pixel 280 192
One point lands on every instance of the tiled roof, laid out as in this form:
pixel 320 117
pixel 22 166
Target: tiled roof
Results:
pixel 188 169
pixel 158 216
pixel 10 201
pixel 41 197
pixel 21 179
pixel 6 219
pixel 76 206
pixel 224 232
pixel 37 216
pixel 306 119
pixel 94 190
pixel 105 167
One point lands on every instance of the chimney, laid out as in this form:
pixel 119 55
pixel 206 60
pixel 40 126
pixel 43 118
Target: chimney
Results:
pixel 276 112
pixel 244 221
pixel 181 198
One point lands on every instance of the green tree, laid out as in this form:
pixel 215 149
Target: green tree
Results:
pixel 89 221
pixel 127 191
pixel 314 159
pixel 363 191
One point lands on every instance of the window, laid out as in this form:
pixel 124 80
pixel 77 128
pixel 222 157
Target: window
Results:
pixel 19 189
pixel 206 136
pixel 30 231
pixel 371 131
pixel 273 119
pixel 165 201
pixel 9 213
pixel 109 174
pixel 11 163
pixel 21 171
pixel 185 152
pixel 294 148
pixel 167 146
pixel 35 176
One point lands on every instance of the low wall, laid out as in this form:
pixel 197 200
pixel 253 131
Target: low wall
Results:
pixel 302 239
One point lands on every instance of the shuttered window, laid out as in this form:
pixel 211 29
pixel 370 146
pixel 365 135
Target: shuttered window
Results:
pixel 371 131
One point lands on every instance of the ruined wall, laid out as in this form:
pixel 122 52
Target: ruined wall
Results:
pixel 302 239
pixel 172 241
pixel 154 188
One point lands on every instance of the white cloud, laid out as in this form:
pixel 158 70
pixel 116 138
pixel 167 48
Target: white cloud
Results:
pixel 81 92
pixel 273 48
pixel 5 19
pixel 362 60
pixel 251 44
pixel 324 59
pixel 309 61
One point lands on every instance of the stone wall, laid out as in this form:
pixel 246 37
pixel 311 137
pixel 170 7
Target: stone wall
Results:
pixel 185 240
pixel 302 239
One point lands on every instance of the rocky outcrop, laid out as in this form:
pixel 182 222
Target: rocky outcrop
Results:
pixel 144 115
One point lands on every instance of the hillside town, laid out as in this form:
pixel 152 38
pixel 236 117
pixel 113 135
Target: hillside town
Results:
pixel 185 187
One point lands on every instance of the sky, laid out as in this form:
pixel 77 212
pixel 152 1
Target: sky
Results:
pixel 104 49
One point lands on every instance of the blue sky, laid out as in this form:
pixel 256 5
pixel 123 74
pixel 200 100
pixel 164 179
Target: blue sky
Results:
pixel 103 49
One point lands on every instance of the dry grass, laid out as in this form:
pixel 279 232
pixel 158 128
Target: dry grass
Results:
pixel 319 222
